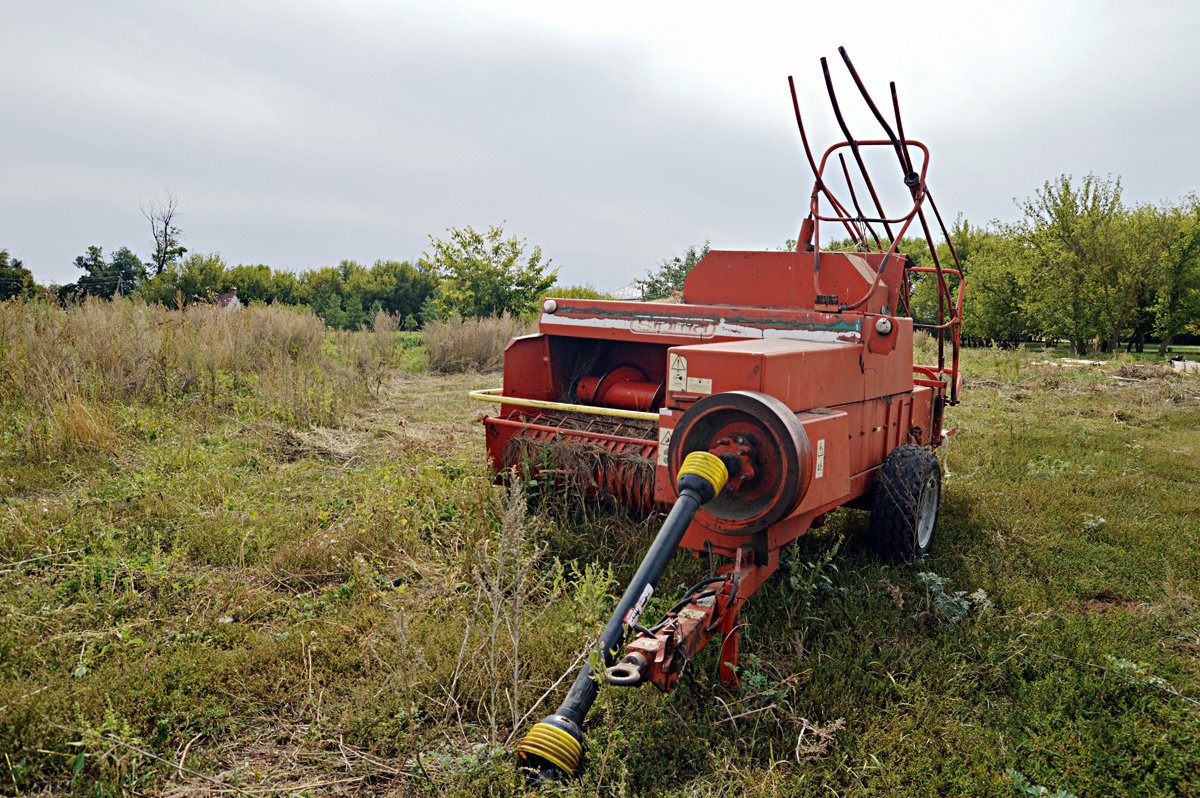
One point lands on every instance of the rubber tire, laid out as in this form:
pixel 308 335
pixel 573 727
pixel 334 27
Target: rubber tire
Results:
pixel 902 504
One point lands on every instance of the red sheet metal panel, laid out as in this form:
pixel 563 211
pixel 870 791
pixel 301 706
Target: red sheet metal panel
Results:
pixel 888 372
pixel 786 280
pixel 801 374
pixel 829 436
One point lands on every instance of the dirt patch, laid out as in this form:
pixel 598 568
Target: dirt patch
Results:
pixel 1108 600
pixel 1144 371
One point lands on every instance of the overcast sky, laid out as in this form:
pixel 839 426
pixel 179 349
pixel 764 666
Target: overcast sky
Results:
pixel 298 133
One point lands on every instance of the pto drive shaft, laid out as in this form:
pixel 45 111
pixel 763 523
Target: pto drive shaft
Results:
pixel 554 746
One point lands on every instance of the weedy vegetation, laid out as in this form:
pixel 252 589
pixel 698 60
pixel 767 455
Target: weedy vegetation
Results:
pixel 242 554
pixel 458 344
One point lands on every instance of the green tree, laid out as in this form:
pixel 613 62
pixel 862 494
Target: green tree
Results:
pixel 203 276
pixel 327 304
pixel 321 289
pixel 355 314
pixel 399 287
pixel 486 274
pixel 196 279
pixel 587 291
pixel 118 276
pixel 668 277
pixel 1144 236
pixel 127 269
pixel 994 264
pixel 1072 231
pixel 163 288
pixel 255 283
pixel 15 279
pixel 285 288
pixel 1177 301
pixel 326 280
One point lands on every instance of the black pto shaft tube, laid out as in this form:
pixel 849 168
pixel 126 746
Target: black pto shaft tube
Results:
pixel 554 746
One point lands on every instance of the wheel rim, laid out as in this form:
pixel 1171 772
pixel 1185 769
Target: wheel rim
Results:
pixel 927 513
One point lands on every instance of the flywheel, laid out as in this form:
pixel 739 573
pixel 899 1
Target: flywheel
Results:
pixel 765 449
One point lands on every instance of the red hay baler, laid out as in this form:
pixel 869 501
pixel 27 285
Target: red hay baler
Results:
pixel 782 387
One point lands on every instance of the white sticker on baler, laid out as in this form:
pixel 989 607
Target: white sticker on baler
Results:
pixel 664 444
pixel 677 379
pixel 699 385
pixel 821 458
pixel 635 612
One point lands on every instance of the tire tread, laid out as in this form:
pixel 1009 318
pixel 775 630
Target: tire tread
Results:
pixel 897 495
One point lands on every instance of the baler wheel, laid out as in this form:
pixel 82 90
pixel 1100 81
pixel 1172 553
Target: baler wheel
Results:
pixel 908 494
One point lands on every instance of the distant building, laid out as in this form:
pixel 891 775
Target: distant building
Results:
pixel 630 293
pixel 229 300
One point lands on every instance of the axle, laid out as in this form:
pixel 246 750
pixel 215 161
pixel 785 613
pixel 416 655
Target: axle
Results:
pixel 554 746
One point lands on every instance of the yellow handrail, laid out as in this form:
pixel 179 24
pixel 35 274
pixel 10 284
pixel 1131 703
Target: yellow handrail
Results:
pixel 494 395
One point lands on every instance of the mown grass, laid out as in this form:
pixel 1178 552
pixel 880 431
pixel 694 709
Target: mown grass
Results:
pixel 352 607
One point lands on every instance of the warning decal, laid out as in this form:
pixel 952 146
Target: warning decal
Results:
pixel 664 445
pixel 821 458
pixel 677 373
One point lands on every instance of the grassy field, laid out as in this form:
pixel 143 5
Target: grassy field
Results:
pixel 287 572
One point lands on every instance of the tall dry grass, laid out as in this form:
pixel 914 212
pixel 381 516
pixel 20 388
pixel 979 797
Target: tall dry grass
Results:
pixel 459 344
pixel 64 369
pixel 372 349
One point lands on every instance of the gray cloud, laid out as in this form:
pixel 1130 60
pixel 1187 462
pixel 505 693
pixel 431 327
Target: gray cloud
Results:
pixel 298 134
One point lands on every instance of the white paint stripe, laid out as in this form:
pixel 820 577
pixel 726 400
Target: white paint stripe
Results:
pixel 700 328
pixel 816 336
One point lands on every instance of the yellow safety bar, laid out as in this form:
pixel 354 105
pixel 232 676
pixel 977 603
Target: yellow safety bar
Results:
pixel 494 395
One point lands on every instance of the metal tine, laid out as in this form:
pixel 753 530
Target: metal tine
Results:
pixel 916 189
pixel 945 298
pixel 854 199
pixel 949 296
pixel 945 232
pixel 820 184
pixel 800 124
pixel 862 89
pixel 957 264
pixel 908 167
pixel 837 111
pixel 943 289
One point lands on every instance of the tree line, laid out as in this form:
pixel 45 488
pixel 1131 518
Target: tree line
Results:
pixel 468 273
pixel 1079 267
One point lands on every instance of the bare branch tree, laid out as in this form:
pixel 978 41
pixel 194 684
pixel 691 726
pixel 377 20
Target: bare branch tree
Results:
pixel 161 215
